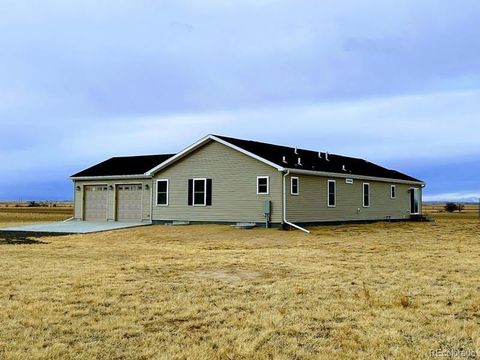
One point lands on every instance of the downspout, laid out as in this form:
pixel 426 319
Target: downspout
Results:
pixel 151 199
pixel 285 221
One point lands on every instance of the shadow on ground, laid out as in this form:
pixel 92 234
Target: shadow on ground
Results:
pixel 24 237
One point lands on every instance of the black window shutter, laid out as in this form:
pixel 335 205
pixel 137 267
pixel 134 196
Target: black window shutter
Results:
pixel 190 192
pixel 209 192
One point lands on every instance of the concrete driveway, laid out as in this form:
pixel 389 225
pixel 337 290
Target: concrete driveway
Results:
pixel 73 227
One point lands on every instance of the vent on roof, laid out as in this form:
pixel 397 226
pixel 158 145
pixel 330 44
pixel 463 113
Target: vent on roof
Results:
pixel 320 155
pixel 285 160
pixel 344 168
pixel 326 156
pixel 296 151
pixel 299 161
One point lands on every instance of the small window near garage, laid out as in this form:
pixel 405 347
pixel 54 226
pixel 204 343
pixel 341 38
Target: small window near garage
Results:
pixel 263 186
pixel 295 188
pixel 162 192
pixel 393 192
pixel 366 195
pixel 332 193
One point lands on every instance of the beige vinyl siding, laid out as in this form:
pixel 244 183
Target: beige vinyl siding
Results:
pixel 234 182
pixel 311 204
pixel 111 208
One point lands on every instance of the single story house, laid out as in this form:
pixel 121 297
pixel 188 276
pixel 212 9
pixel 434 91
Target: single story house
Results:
pixel 220 179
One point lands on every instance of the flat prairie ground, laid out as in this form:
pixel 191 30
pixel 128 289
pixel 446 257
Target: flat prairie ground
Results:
pixel 11 215
pixel 376 291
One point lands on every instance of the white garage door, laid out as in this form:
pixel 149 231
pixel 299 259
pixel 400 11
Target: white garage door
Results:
pixel 95 204
pixel 129 203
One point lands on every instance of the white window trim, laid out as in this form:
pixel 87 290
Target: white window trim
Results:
pixel 298 186
pixel 204 195
pixel 334 193
pixel 393 188
pixel 369 195
pixel 268 185
pixel 168 193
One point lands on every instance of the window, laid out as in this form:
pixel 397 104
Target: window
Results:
pixel 366 195
pixel 200 192
pixel 332 196
pixel 393 192
pixel 263 186
pixel 162 192
pixel 295 188
pixel 98 188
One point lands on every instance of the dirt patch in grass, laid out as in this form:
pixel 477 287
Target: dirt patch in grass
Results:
pixel 24 237
pixel 232 275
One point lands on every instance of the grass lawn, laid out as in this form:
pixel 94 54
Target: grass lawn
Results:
pixel 376 291
pixel 13 216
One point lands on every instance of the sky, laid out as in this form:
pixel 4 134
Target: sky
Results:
pixel 396 82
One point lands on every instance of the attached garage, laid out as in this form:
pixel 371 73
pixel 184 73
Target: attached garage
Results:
pixel 95 203
pixel 126 191
pixel 129 203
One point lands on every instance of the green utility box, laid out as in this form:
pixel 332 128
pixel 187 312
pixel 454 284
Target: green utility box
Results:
pixel 267 207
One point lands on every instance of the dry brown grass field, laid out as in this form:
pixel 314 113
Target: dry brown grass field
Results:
pixel 440 208
pixel 377 291
pixel 13 214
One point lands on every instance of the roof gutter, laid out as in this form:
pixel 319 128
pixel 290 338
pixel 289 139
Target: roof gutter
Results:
pixel 285 221
pixel 111 177
pixel 353 176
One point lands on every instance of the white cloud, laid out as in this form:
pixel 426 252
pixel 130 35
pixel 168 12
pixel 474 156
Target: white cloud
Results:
pixel 454 196
pixel 436 126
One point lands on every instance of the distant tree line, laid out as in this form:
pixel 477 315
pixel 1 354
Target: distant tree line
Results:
pixel 451 207
pixel 38 204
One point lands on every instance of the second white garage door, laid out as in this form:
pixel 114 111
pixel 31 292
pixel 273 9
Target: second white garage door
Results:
pixel 129 203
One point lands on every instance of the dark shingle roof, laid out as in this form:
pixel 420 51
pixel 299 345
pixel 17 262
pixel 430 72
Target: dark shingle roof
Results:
pixel 129 165
pixel 310 160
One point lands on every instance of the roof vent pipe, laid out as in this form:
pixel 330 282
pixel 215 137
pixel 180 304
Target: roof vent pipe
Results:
pixel 326 156
pixel 296 151
pixel 320 155
pixel 344 168
pixel 300 161
pixel 285 160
